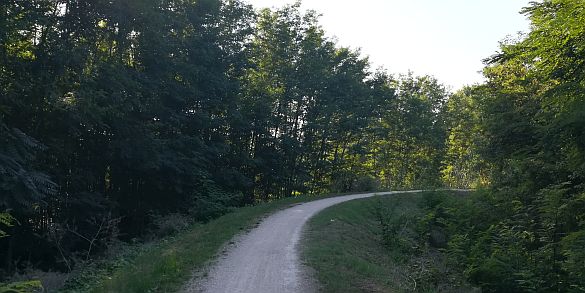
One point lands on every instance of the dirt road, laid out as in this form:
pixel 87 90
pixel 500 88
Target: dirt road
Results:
pixel 266 260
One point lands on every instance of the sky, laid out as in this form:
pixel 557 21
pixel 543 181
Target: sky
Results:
pixel 444 38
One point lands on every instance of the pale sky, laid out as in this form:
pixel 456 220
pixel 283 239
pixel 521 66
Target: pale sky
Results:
pixel 444 38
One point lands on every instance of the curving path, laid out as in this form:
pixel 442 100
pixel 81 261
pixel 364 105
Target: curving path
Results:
pixel 266 260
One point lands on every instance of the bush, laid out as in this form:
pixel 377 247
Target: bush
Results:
pixel 366 183
pixel 21 287
pixel 397 231
pixel 6 220
pixel 346 182
pixel 213 202
pixel 170 224
pixel 573 249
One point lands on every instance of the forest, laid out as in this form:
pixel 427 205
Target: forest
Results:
pixel 117 114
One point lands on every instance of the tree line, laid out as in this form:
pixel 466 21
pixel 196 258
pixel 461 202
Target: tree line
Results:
pixel 521 134
pixel 115 113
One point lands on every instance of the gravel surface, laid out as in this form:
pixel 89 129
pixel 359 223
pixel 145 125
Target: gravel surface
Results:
pixel 266 260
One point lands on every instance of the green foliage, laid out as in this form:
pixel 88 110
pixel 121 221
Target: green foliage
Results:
pixel 22 186
pixel 527 146
pixel 166 264
pixel 6 220
pixel 500 247
pixel 408 144
pixel 396 229
pixel 213 202
pixel 367 183
pixel 378 244
pixel 464 165
pixel 21 287
pixel 572 250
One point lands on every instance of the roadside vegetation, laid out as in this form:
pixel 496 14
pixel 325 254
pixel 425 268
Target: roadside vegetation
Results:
pixel 384 244
pixel 166 265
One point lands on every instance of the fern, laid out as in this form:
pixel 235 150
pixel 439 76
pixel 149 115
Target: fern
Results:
pixel 6 221
pixel 23 185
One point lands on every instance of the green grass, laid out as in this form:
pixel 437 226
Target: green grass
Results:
pixel 345 245
pixel 167 265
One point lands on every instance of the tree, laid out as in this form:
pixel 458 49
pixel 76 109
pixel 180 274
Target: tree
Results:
pixel 531 124
pixel 464 165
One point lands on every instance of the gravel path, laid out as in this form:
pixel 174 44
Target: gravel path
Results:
pixel 266 260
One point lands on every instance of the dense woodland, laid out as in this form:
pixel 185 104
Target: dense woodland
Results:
pixel 116 113
pixel 522 135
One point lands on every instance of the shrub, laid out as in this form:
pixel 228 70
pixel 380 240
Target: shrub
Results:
pixel 213 202
pixel 170 224
pixel 366 183
pixel 21 287
pixel 397 231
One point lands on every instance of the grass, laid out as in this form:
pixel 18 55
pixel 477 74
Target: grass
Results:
pixel 167 265
pixel 350 251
